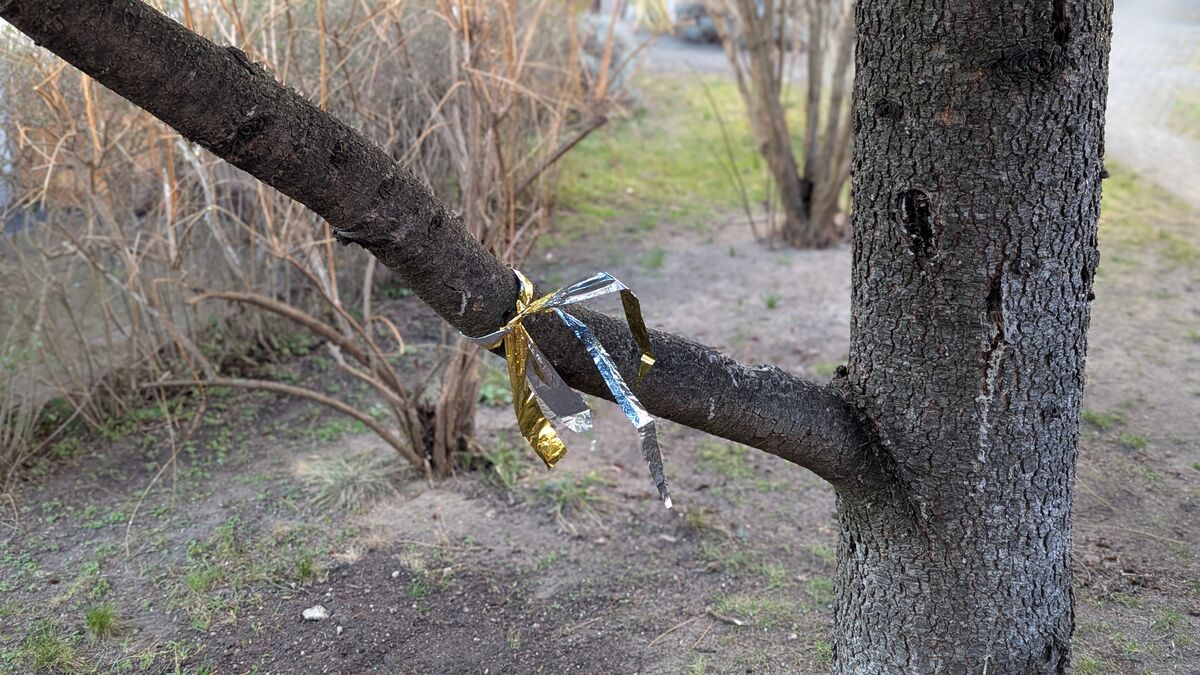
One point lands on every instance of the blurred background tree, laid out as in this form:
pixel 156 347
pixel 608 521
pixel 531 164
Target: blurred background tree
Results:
pixel 766 41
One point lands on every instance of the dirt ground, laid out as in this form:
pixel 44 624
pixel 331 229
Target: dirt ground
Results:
pixel 209 568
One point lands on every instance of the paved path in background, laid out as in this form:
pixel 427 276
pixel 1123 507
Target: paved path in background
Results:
pixel 1155 54
pixel 672 55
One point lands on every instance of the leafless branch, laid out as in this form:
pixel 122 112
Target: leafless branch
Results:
pixel 218 98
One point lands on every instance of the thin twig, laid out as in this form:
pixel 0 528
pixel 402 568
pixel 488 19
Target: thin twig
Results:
pixel 733 168
pixel 1095 494
pixel 408 453
pixel 448 547
pixel 672 629
pixel 595 124
pixel 589 622
pixel 702 635
pixel 731 620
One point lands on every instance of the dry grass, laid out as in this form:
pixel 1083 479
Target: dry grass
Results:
pixel 351 483
pixel 123 227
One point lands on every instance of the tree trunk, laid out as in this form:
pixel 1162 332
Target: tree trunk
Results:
pixel 978 148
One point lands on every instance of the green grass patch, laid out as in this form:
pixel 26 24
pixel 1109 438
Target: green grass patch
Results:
pixel 1103 420
pixel 824 553
pixel 570 496
pixel 668 161
pixel 704 520
pixel 1126 600
pixel 505 463
pixel 335 429
pixel 654 259
pixel 88 583
pixel 49 648
pixel 430 572
pixel 418 588
pixel 1129 646
pixel 1090 665
pixel 1168 621
pixel 1136 214
pixel 16 567
pixel 726 459
pixel 101 621
pixel 764 612
pixel 514 640
pixel 1133 441
pixel 233 563
pixel 547 561
pixel 1185 113
pixel 821 591
pixel 735 558
pixel 822 652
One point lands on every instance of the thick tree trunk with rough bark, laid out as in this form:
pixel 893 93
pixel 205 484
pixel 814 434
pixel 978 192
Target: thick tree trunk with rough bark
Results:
pixel 979 140
pixel 951 435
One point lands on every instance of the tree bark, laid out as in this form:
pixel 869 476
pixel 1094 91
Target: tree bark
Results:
pixel 979 140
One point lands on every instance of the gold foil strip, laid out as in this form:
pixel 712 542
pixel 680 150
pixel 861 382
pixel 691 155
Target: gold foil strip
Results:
pixel 540 396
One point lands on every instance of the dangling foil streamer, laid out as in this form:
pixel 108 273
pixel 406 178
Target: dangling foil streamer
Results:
pixel 541 397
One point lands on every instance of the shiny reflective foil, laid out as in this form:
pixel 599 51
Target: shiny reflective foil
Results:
pixel 540 396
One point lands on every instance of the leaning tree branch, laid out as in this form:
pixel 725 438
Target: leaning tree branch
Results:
pixel 220 99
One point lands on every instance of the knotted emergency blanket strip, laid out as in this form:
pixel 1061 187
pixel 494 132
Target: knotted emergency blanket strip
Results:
pixel 541 397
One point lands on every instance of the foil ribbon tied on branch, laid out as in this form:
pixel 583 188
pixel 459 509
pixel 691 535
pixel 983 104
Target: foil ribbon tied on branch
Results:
pixel 540 396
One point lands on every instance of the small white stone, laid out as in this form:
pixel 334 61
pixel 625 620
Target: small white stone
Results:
pixel 339 630
pixel 316 613
pixel 395 573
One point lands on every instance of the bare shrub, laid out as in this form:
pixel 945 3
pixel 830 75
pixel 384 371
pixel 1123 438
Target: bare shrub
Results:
pixel 763 40
pixel 127 248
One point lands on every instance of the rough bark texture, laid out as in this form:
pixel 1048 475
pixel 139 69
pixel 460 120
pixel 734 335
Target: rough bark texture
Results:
pixel 218 98
pixel 979 139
